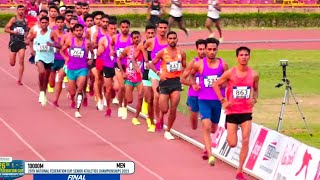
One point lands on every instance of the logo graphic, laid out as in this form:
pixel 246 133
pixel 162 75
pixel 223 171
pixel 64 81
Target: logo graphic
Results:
pixel 216 137
pixel 305 163
pixel 271 152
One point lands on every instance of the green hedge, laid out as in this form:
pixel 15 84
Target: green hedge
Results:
pixel 235 20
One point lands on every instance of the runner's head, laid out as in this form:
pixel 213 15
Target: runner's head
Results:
pixel 85 8
pixel 201 47
pixel 78 30
pixel 73 22
pixel 172 39
pixel 78 8
pixel 243 55
pixel 68 15
pixel 43 13
pixel 212 48
pixel 104 22
pixel 136 37
pixel 97 15
pixel 125 26
pixel 44 22
pixel 89 20
pixel 53 11
pixel 112 27
pixel 56 2
pixel 162 28
pixel 150 31
pixel 20 10
pixel 32 2
pixel 62 10
pixel 60 22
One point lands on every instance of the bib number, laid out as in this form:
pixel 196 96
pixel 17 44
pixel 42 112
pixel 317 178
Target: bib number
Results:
pixel 174 66
pixel 209 80
pixel 32 13
pixel 241 92
pixel 77 52
pixel 43 48
pixel 20 30
pixel 119 51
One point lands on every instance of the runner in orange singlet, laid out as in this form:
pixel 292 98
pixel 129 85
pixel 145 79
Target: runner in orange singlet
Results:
pixel 173 62
pixel 241 94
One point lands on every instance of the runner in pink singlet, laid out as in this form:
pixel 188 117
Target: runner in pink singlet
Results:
pixel 241 95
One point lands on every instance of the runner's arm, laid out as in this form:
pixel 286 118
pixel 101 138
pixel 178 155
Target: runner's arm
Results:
pixel 95 40
pixel 65 46
pixel 186 73
pixel 144 50
pixel 220 82
pixel 155 61
pixel 183 61
pixel 30 39
pixel 8 25
pixel 90 48
pixel 123 54
pixel 101 46
pixel 192 76
pixel 256 86
pixel 55 39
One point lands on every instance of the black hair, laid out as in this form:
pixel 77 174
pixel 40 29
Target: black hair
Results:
pixel 150 26
pixel 54 7
pixel 134 32
pixel 105 16
pixel 96 13
pixel 60 18
pixel 85 4
pixel 162 21
pixel 112 21
pixel 113 18
pixel 44 17
pixel 213 41
pixel 79 4
pixel 171 32
pixel 69 11
pixel 88 16
pixel 20 6
pixel 201 41
pixel 125 21
pixel 77 26
pixel 242 48
pixel 43 10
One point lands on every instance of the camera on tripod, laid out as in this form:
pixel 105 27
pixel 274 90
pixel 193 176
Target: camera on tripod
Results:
pixel 284 64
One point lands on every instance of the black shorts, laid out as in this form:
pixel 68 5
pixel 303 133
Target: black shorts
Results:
pixel 238 118
pixel 154 20
pixel 108 72
pixel 93 64
pixel 145 75
pixel 170 85
pixel 214 20
pixel 47 66
pixel 178 19
pixel 16 46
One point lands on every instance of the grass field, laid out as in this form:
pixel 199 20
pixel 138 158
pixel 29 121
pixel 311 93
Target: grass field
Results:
pixel 303 72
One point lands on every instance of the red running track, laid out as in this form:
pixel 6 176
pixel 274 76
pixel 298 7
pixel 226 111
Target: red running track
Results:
pixel 33 132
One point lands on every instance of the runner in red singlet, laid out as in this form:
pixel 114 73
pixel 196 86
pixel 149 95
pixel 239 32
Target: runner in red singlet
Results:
pixel 241 95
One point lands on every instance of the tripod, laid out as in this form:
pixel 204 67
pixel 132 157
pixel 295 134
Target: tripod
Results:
pixel 286 99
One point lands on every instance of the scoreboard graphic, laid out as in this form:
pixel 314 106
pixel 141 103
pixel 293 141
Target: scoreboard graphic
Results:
pixel 65 170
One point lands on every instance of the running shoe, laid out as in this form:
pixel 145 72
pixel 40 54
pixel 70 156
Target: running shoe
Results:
pixel 240 176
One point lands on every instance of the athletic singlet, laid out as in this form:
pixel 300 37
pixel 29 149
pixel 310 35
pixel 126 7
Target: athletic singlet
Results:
pixel 132 75
pixel 19 26
pixel 31 14
pixel 212 11
pixel 93 30
pixel 78 55
pixel 239 91
pixel 171 67
pixel 57 55
pixel 157 47
pixel 192 92
pixel 207 78
pixel 81 21
pixel 43 51
pixel 107 61
pixel 119 47
pixel 155 9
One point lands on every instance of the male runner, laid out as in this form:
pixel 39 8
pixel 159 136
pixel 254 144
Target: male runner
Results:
pixel 192 101
pixel 85 9
pixel 151 48
pixel 17 27
pixel 31 12
pixel 132 74
pixel 58 62
pixel 147 85
pixel 176 15
pixel 77 65
pixel 79 13
pixel 97 70
pixel 172 66
pixel 241 95
pixel 44 41
pixel 155 10
pixel 103 54
pixel 53 13
pixel 121 41
pixel 214 9
pixel 68 16
pixel 209 69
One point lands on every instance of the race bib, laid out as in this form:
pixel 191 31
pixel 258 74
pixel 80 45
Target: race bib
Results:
pixel 174 66
pixel 43 48
pixel 209 80
pixel 77 52
pixel 197 80
pixel 241 92
pixel 119 51
pixel 55 50
pixel 32 13
pixel 20 30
